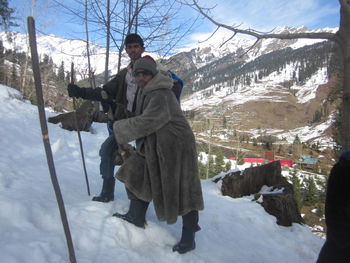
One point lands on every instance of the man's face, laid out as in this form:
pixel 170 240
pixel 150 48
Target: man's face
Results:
pixel 134 51
pixel 142 77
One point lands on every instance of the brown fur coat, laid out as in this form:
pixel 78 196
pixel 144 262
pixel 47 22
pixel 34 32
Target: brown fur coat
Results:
pixel 163 136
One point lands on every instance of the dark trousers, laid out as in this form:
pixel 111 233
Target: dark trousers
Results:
pixel 331 253
pixel 108 153
pixel 189 220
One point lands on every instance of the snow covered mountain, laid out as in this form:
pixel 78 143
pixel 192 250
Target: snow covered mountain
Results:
pixel 67 51
pixel 70 50
pixel 233 230
pixel 279 85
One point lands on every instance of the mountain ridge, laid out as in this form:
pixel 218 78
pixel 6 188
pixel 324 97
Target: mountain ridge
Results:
pixel 224 74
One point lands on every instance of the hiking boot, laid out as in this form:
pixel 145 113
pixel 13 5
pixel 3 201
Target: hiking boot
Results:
pixel 186 243
pixel 107 192
pixel 136 214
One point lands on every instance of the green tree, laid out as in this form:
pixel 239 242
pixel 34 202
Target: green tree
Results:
pixel 6 15
pixel 297 140
pixel 14 77
pixel 297 189
pixel 219 163
pixel 317 116
pixel 224 122
pixel 211 167
pixel 228 166
pixel 310 197
pixel 202 170
pixel 61 75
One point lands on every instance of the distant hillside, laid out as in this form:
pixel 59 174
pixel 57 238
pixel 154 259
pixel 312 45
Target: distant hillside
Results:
pixel 278 84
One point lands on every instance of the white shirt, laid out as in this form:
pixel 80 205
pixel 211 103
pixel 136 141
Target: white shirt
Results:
pixel 131 87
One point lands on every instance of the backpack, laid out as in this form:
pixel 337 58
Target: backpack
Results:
pixel 178 84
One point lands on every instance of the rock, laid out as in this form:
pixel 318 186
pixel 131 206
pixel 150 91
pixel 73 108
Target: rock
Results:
pixel 281 204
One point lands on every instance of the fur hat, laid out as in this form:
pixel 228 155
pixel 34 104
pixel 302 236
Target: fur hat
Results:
pixel 146 63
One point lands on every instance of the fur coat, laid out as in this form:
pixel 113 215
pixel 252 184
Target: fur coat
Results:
pixel 165 166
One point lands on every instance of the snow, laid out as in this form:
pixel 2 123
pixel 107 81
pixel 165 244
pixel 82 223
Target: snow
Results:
pixel 268 89
pixel 309 89
pixel 268 190
pixel 233 230
pixel 312 133
pixel 69 50
pixel 262 90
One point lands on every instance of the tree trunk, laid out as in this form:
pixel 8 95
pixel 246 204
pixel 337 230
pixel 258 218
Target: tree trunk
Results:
pixel 344 39
pixel 137 16
pixel 91 74
pixel 107 41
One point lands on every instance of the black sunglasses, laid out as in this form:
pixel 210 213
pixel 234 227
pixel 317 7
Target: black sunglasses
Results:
pixel 142 73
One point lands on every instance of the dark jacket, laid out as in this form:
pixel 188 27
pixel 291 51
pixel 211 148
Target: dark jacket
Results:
pixel 337 208
pixel 170 176
pixel 337 212
pixel 113 94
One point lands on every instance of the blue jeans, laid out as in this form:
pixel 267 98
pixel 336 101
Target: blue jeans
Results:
pixel 108 153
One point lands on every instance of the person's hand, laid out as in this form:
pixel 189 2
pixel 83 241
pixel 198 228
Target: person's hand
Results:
pixel 74 90
pixel 124 152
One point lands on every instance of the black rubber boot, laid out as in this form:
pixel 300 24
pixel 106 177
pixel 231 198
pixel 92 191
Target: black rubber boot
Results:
pixel 187 242
pixel 107 192
pixel 136 214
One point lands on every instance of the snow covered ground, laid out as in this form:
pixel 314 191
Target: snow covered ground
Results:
pixel 233 230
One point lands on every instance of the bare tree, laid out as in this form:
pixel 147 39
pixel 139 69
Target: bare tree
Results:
pixel 91 78
pixel 155 20
pixel 108 38
pixel 341 37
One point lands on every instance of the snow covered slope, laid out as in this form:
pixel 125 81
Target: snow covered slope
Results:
pixel 67 50
pixel 233 230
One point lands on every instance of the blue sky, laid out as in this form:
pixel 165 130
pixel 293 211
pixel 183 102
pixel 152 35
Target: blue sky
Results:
pixel 262 15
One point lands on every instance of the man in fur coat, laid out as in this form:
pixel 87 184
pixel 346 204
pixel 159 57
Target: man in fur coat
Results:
pixel 164 167
pixel 337 246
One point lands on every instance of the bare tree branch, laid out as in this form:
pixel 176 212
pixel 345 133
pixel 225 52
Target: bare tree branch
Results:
pixel 216 30
pixel 228 39
pixel 259 35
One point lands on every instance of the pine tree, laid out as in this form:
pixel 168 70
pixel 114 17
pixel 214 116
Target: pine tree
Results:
pixel 6 18
pixel 61 75
pixel 297 140
pixel 320 210
pixel 297 189
pixel 228 166
pixel 310 197
pixel 202 170
pixel 14 77
pixel 211 167
pixel 224 122
pixel 219 163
